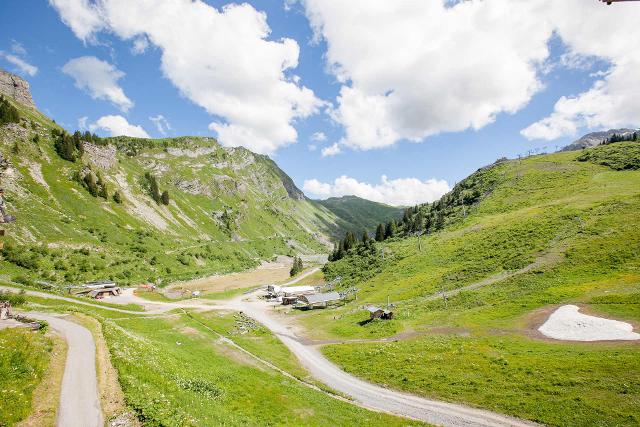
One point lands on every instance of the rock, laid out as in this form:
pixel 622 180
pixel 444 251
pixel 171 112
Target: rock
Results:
pixel 102 157
pixel 16 87
pixel 595 138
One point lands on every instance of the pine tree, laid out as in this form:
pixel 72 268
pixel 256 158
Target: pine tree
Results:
pixel 365 237
pixel 154 190
pixel 391 229
pixel 380 233
pixel 8 113
pixel 117 197
pixel 165 197
pixel 90 182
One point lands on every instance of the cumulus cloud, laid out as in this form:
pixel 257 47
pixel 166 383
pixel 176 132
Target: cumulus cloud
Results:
pixel 612 101
pixel 331 150
pixel 81 16
pixel 397 192
pixel 99 79
pixel 413 68
pixel 117 125
pixel 221 59
pixel 161 124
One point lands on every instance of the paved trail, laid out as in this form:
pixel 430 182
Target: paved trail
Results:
pixel 79 399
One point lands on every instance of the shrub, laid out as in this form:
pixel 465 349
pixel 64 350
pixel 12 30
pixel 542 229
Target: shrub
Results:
pixel 13 298
pixel 8 113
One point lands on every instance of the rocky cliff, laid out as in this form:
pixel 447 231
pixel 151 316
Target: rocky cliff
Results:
pixel 595 138
pixel 15 87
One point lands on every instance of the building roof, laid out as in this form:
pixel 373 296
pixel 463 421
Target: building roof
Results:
pixel 298 289
pixel 373 309
pixel 317 298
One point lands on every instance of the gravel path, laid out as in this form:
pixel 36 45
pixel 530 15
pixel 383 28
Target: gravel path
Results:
pixel 79 399
pixel 364 393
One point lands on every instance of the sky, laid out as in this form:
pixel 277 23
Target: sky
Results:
pixel 394 101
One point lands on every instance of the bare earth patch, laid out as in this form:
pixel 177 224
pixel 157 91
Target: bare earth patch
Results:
pixel 272 272
pixel 567 323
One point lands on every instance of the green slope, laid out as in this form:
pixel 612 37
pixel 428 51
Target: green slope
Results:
pixel 229 208
pixel 360 214
pixel 533 234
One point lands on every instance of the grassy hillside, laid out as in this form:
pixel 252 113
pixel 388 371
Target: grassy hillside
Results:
pixel 360 214
pixel 532 235
pixel 96 217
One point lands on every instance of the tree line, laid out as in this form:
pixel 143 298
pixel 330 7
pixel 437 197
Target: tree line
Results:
pixel 635 136
pixel 425 218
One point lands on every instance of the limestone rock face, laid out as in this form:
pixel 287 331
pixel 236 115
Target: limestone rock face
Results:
pixel 15 87
pixel 595 138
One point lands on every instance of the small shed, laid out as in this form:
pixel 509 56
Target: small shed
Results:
pixel 319 300
pixel 378 313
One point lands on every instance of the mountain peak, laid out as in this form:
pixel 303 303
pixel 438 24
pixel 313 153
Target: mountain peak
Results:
pixel 595 138
pixel 15 87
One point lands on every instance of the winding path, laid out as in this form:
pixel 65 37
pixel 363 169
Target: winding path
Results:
pixel 363 393
pixel 79 398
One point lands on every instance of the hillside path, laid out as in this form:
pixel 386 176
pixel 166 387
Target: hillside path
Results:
pixel 79 399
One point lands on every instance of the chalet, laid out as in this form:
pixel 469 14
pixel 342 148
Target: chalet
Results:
pixel 318 300
pixel 100 284
pixel 378 313
pixel 104 292
pixel 291 294
pixel 297 291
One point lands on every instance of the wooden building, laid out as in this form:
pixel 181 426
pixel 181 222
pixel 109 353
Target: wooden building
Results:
pixel 378 313
pixel 318 300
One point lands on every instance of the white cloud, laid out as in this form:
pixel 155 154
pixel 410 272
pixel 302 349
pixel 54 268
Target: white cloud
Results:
pixel 81 16
pixel 397 192
pixel 612 100
pixel 413 68
pixel 22 65
pixel 331 150
pixel 118 125
pixel 221 59
pixel 99 79
pixel 319 137
pixel 161 123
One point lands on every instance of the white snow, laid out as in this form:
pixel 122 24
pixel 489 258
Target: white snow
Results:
pixel 567 323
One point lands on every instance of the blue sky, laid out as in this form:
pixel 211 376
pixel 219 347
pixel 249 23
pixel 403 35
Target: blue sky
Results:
pixel 393 92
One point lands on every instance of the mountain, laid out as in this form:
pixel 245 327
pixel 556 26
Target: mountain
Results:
pixel 504 249
pixel 595 138
pixel 359 214
pixel 91 208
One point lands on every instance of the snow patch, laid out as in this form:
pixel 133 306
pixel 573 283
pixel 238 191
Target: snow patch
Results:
pixel 567 323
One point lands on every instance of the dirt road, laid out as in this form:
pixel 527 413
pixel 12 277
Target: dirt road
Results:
pixel 79 399
pixel 364 393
